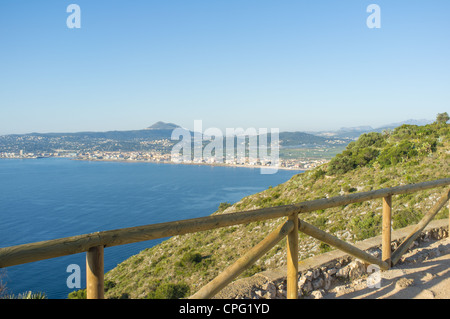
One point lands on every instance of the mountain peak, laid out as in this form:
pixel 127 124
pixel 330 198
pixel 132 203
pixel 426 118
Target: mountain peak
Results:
pixel 162 126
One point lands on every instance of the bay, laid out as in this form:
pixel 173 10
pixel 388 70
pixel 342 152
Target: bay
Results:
pixel 45 199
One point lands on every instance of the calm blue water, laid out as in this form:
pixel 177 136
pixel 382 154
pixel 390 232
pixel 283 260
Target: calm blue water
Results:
pixel 51 198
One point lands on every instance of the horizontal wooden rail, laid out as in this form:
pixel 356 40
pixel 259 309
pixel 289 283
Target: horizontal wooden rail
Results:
pixel 26 253
pixel 229 274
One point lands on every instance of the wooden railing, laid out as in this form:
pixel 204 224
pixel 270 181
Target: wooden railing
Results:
pixel 94 244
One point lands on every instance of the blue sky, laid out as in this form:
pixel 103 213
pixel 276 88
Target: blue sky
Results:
pixel 293 65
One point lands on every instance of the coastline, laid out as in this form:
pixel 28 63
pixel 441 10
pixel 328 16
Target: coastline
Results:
pixel 190 163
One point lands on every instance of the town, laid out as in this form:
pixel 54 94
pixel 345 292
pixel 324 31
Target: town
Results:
pixel 159 157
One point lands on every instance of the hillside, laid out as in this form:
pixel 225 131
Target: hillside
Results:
pixel 354 132
pixel 130 141
pixel 134 140
pixel 181 265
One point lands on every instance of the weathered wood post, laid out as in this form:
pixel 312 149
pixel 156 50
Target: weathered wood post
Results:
pixel 386 230
pixel 95 273
pixel 292 259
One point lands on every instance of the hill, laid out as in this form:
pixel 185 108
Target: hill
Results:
pixel 110 141
pixel 129 141
pixel 181 265
pixel 298 139
pixel 163 126
pixel 354 132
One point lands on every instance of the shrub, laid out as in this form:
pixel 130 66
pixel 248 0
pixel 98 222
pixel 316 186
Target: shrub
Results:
pixel 78 294
pixel 318 173
pixel 189 259
pixel 169 291
pixel 223 206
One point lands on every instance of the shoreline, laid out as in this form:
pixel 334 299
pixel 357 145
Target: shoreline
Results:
pixel 168 162
pixel 201 164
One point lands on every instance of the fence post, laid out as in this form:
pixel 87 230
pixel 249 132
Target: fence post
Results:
pixel 95 273
pixel 386 230
pixel 292 259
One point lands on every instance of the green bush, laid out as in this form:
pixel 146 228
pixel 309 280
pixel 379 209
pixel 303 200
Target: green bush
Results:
pixel 191 258
pixel 82 293
pixel 318 173
pixel 169 291
pixel 223 206
pixel 78 294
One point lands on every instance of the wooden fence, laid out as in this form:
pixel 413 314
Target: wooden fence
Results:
pixel 94 244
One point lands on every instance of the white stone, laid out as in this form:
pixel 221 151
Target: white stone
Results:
pixel 318 294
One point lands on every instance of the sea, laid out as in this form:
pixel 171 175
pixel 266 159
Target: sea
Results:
pixel 50 198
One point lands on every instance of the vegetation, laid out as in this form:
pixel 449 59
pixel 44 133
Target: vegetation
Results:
pixel 181 265
pixel 442 118
pixel 169 291
pixel 25 295
pixel 389 148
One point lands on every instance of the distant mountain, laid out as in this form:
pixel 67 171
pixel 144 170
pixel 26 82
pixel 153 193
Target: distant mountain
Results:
pixel 409 122
pixel 355 132
pixel 163 126
pixel 134 140
pixel 297 139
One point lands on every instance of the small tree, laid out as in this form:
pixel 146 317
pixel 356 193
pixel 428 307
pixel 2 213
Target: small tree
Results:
pixel 442 118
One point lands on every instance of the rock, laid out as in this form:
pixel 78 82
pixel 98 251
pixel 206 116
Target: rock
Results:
pixel 332 271
pixel 404 283
pixel 375 252
pixel 309 275
pixel 353 270
pixel 259 293
pixel 307 287
pixel 316 273
pixel 271 290
pixel 318 283
pixel 281 294
pixel 328 281
pixel 340 288
pixel 318 294
pixel 302 281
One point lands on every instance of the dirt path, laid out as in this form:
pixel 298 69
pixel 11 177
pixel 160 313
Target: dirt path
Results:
pixel 424 273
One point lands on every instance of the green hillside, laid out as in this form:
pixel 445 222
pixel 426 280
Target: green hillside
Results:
pixel 182 264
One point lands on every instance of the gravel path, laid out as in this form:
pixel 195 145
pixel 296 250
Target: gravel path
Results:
pixel 423 273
